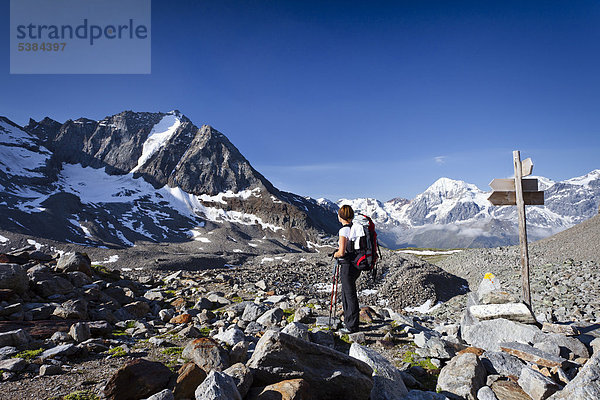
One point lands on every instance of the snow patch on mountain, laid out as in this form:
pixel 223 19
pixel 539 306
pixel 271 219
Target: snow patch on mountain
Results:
pixel 96 188
pixel 192 203
pixel 220 198
pixel 77 224
pixel 158 137
pixel 19 155
pixel 585 180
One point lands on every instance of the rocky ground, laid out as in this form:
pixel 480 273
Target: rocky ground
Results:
pixel 564 268
pixel 152 313
pixel 73 329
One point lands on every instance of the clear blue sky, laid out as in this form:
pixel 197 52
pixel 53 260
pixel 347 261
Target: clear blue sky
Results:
pixel 360 99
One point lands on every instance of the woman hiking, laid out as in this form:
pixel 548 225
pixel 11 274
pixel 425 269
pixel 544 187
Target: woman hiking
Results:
pixel 348 235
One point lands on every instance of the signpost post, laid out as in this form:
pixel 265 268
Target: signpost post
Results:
pixel 519 192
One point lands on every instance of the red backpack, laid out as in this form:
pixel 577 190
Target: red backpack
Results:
pixel 368 253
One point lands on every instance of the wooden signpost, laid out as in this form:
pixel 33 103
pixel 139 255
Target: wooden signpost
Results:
pixel 519 192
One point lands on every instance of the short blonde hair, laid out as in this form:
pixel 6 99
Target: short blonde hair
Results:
pixel 346 212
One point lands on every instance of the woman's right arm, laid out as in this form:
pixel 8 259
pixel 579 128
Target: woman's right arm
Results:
pixel 341 251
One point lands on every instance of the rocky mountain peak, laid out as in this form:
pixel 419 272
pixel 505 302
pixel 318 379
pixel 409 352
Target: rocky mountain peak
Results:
pixel 592 178
pixel 398 201
pixel 157 177
pixel 448 188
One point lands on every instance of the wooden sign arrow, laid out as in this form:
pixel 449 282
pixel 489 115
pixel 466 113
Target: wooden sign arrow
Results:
pixel 526 167
pixel 509 198
pixel 507 185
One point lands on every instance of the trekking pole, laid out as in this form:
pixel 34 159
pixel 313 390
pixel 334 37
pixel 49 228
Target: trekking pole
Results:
pixel 333 290
pixel 337 282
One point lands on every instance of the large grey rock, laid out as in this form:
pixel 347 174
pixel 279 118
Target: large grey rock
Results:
pixel 253 328
pixel 529 353
pixel 138 309
pixel 488 284
pixel 80 332
pixel 500 363
pixel 548 347
pixel 60 351
pixel 72 309
pixel 536 385
pixel 586 385
pixel 239 352
pixel 13 365
pixel 325 321
pixel 79 279
pixel 400 319
pixel 9 310
pixel 421 338
pixel 204 304
pixel 219 300
pixel 163 395
pixel 302 314
pixel 298 330
pixel 462 377
pixel 70 262
pixel 387 379
pixel 207 354
pixel 487 334
pixel 330 374
pixel 253 311
pixel 137 379
pixel 497 297
pixel 52 286
pixel 322 337
pixel 154 295
pixel 569 347
pixel 511 311
pixel 39 310
pixel 165 315
pixel 242 376
pixel 15 338
pixel 438 348
pixel 120 294
pixel 14 276
pixel 271 317
pixel 467 318
pixel 100 328
pixel 568 330
pixel 7 351
pixel 277 298
pixel 486 393
pixel 231 336
pixel 48 370
pixel 218 386
pixel 61 337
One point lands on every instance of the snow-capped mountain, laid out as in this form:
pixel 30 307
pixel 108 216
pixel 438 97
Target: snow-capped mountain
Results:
pixel 453 213
pixel 141 177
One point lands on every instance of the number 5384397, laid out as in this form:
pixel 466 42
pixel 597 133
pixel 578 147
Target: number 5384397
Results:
pixel 26 46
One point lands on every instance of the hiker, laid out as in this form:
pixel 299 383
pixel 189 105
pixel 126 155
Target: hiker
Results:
pixel 349 274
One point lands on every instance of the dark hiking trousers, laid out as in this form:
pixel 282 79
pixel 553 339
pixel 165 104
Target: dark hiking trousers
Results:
pixel 349 275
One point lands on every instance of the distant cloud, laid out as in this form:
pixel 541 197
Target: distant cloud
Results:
pixel 440 160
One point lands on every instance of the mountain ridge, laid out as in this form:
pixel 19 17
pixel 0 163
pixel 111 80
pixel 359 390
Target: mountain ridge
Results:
pixel 180 162
pixel 453 213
